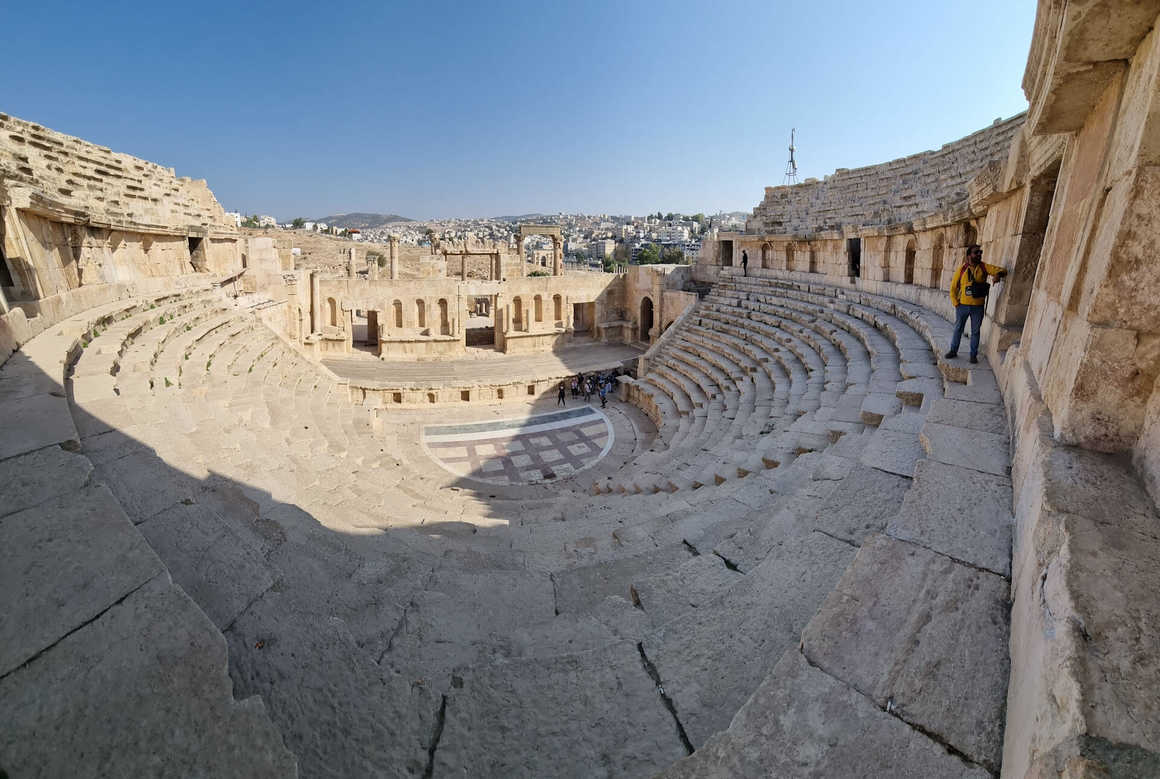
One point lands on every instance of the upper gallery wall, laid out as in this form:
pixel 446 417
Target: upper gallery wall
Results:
pixel 890 193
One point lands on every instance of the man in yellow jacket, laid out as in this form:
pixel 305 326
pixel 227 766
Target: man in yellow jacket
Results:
pixel 969 296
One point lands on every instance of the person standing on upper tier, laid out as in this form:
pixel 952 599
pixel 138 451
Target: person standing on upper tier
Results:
pixel 969 289
pixel 560 396
pixel 744 263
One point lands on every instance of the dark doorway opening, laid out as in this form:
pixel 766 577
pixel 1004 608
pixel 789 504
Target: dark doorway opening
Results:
pixel 480 336
pixel 646 318
pixel 197 255
pixel 1035 224
pixel 5 274
pixel 584 319
pixel 854 257
pixel 908 268
pixel 727 254
pixel 372 329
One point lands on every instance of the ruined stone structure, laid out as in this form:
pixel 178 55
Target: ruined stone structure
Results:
pixel 800 543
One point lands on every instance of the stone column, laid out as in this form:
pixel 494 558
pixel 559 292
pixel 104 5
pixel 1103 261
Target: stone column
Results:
pixel 372 268
pixel 315 302
pixel 394 257
pixel 557 256
pixel 350 259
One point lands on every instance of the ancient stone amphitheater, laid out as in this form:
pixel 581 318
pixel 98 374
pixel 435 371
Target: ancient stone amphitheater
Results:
pixel 260 520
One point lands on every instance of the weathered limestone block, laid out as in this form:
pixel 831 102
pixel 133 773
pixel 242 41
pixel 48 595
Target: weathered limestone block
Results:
pixel 709 679
pixel 140 691
pixel 925 637
pixel 962 513
pixel 220 569
pixel 31 479
pixel 862 504
pixel 893 451
pixel 627 730
pixel 67 560
pixel 975 449
pixel 1085 646
pixel 44 420
pixel 802 722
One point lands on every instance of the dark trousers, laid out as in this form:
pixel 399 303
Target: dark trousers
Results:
pixel 976 315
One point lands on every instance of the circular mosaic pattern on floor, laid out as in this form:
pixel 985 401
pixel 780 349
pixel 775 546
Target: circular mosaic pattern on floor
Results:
pixel 524 450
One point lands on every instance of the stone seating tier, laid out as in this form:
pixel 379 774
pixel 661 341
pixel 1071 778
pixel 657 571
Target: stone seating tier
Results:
pixel 110 188
pixel 895 192
pixel 389 614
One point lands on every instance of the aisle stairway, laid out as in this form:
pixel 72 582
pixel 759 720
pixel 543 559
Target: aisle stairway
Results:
pixel 396 619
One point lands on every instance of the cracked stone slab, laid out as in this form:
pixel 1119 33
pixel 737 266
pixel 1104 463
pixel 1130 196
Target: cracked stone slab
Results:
pixel 665 595
pixel 62 563
pixel 145 484
pixel 980 387
pixel 913 392
pixel 598 709
pixel 710 678
pixel 302 659
pixel 893 451
pixel 959 512
pixel 74 700
pixel 862 504
pixel 961 413
pixel 986 452
pixel 924 635
pixel 465 616
pixel 44 420
pixel 879 405
pixel 802 722
pixel 220 569
pixel 34 478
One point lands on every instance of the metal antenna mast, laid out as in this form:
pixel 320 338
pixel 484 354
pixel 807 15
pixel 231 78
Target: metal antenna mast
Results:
pixel 791 174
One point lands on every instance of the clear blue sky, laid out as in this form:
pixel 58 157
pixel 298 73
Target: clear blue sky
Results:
pixel 438 109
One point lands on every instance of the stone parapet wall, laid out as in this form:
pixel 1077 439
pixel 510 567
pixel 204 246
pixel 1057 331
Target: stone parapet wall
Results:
pixel 74 214
pixel 44 170
pixel 894 192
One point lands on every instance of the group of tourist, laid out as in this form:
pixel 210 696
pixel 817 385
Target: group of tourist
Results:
pixel 599 384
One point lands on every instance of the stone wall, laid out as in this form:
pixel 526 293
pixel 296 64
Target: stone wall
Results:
pixel 894 192
pixel 74 214
pixel 1067 200
pixel 410 313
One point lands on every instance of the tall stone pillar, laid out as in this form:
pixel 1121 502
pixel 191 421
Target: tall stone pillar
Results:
pixel 394 257
pixel 315 301
pixel 557 256
pixel 350 260
pixel 372 267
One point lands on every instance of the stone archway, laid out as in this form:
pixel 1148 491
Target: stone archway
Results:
pixel 646 318
pixel 550 231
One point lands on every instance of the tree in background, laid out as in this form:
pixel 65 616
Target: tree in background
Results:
pixel 250 221
pixel 672 255
pixel 298 223
pixel 649 255
pixel 620 255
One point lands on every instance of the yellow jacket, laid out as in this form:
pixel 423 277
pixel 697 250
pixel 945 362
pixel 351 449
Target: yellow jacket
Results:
pixel 959 296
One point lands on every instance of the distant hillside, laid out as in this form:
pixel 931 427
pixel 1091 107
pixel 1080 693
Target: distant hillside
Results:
pixel 520 218
pixel 360 220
